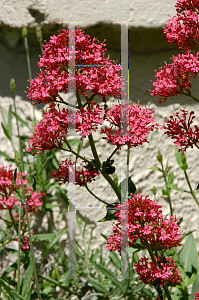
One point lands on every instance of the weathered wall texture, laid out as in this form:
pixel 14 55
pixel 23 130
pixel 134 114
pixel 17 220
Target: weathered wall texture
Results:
pixel 148 50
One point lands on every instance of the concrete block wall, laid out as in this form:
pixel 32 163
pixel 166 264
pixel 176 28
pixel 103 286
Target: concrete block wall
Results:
pixel 148 50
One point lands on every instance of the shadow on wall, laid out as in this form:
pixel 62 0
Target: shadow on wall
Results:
pixel 142 41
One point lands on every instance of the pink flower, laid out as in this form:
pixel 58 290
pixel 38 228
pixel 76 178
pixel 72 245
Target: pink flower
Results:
pixel 81 177
pixel 103 80
pixel 139 128
pixel 173 79
pixel 51 132
pixel 145 221
pixel 8 199
pixel 179 129
pixel 196 296
pixel 183 28
pixel 166 272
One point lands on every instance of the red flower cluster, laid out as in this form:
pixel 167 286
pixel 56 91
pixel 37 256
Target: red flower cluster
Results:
pixel 179 129
pixel 139 128
pixel 104 80
pixel 173 79
pixel 182 29
pixel 81 177
pixel 145 221
pixel 150 273
pixel 8 198
pixel 51 132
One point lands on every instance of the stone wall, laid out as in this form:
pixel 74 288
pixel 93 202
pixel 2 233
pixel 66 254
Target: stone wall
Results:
pixel 148 50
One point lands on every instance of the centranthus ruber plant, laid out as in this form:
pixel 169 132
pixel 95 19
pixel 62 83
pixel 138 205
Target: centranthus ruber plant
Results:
pixel 149 229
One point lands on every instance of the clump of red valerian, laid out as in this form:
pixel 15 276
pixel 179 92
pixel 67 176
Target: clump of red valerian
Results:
pixel 9 200
pixel 138 119
pixel 104 80
pixel 52 131
pixel 152 274
pixel 151 229
pixel 178 128
pixel 82 177
pixel 146 222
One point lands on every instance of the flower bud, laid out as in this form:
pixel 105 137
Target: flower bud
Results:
pixel 38 33
pixel 159 157
pixel 12 85
pixel 17 159
pixel 24 32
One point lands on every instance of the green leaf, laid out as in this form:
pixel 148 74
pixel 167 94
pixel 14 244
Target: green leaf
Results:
pixel 195 287
pixel 165 193
pixel 6 131
pixel 92 296
pixel 17 296
pixel 73 142
pixel 80 146
pixel 10 121
pixel 43 236
pixel 184 167
pixel 7 288
pixel 110 275
pixel 181 159
pixel 22 121
pixel 15 185
pixel 49 205
pixel 115 259
pixel 174 187
pixel 110 212
pixel 94 256
pixel 27 279
pixel 98 286
pixel 131 186
pixel 56 238
pixel 191 280
pixel 156 168
pixel 171 177
pixel 7 157
pixel 188 256
pixel 178 156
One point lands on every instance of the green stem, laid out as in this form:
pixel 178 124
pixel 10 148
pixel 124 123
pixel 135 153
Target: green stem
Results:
pixel 192 192
pixel 96 157
pixel 168 190
pixel 20 146
pixel 112 154
pixel 190 95
pixel 155 263
pixel 19 241
pixel 30 238
pixel 95 195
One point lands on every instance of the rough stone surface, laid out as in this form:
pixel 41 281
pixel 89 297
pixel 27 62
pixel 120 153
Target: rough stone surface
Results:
pixel 147 51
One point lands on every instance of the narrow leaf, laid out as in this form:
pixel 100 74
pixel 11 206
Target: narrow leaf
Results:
pixel 110 275
pixel 27 279
pixel 174 187
pixel 17 296
pixel 10 121
pixel 22 121
pixel 156 168
pixel 6 131
pixel 171 178
pixel 99 287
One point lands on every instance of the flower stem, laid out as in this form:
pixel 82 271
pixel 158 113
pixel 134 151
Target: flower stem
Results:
pixel 30 239
pixel 19 241
pixel 168 190
pixel 112 154
pixel 96 157
pixel 95 195
pixel 192 192
pixel 155 263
